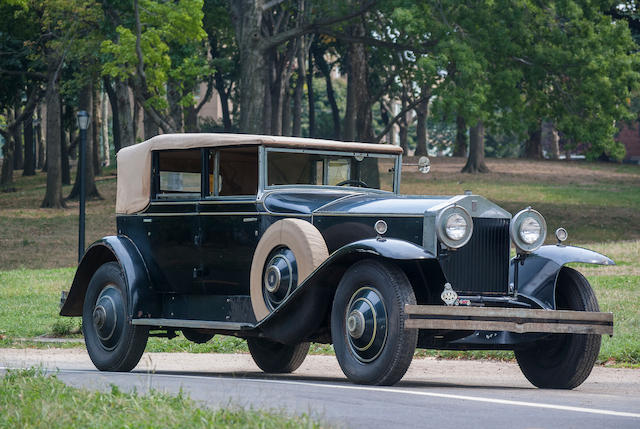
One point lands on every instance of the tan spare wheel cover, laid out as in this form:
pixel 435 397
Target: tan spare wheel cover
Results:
pixel 307 245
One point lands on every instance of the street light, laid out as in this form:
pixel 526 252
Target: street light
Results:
pixel 83 124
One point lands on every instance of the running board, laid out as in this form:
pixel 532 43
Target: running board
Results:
pixel 196 324
pixel 519 320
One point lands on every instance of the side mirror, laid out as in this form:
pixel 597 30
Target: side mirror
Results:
pixel 424 165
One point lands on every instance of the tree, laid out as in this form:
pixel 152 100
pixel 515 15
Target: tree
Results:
pixel 152 51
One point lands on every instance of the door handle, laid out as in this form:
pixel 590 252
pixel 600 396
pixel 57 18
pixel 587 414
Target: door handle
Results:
pixel 250 219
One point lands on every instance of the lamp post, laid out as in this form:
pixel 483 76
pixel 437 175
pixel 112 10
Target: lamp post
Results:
pixel 83 124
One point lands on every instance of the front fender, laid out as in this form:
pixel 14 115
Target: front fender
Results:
pixel 302 312
pixel 141 298
pixel 538 273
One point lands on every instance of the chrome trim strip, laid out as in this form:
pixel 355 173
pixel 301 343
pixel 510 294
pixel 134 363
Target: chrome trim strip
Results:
pixel 199 324
pixel 167 214
pixel 366 154
pixel 172 203
pixel 380 215
pixel 217 201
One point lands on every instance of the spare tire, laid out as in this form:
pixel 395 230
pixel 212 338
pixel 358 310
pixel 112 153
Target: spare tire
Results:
pixel 288 252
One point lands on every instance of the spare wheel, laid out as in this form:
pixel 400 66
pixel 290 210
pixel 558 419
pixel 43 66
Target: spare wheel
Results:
pixel 288 252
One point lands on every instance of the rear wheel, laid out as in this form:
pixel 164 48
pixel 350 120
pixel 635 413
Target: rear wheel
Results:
pixel 367 323
pixel 112 342
pixel 564 361
pixel 277 358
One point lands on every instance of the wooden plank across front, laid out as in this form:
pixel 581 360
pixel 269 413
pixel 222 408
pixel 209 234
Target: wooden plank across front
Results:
pixel 517 320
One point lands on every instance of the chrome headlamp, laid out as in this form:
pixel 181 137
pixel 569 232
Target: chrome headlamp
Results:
pixel 528 230
pixel 454 226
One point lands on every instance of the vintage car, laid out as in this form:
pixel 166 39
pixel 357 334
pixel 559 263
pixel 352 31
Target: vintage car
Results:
pixel 286 241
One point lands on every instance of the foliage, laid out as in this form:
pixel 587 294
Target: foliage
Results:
pixel 513 64
pixel 169 43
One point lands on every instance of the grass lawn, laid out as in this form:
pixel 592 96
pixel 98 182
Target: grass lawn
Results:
pixel 599 204
pixel 26 401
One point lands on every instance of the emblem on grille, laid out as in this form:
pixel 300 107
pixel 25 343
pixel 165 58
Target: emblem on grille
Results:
pixel 448 295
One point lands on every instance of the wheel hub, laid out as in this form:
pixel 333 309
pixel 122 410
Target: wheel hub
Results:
pixel 280 277
pixel 109 316
pixel 366 324
pixel 99 316
pixel 355 324
pixel 272 279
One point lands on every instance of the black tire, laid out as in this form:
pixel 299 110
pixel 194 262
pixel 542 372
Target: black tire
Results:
pixel 277 358
pixel 362 354
pixel 112 342
pixel 564 361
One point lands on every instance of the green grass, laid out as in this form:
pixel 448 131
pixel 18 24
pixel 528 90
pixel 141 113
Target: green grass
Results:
pixel 30 399
pixel 30 309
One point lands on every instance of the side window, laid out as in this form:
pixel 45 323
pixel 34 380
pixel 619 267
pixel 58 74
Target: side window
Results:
pixel 178 174
pixel 236 169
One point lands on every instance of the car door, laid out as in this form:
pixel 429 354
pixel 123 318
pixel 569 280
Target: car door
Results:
pixel 171 221
pixel 229 221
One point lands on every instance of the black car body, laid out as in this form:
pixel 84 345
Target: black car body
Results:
pixel 284 241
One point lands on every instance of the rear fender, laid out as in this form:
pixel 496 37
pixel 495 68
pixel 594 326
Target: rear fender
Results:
pixel 538 273
pixel 307 307
pixel 143 302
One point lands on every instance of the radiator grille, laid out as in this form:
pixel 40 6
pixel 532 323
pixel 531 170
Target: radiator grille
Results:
pixel 482 265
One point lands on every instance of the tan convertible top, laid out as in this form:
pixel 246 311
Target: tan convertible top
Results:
pixel 134 162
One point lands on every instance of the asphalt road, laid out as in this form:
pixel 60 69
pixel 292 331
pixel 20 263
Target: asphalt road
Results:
pixel 434 393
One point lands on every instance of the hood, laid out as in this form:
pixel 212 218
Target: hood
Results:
pixel 320 202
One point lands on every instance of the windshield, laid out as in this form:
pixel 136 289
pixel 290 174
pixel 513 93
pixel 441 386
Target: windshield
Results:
pixel 308 168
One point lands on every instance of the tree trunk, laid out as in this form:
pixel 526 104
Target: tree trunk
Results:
pixel 106 156
pixel 475 161
pixel 190 119
pixel 96 127
pixel 422 112
pixel 136 122
pixel 311 98
pixel 533 146
pixel 85 102
pixel 226 116
pixel 275 96
pixel 350 115
pixel 6 180
pixel 404 134
pixel 358 69
pixel 555 144
pixel 384 116
pixel 326 72
pixel 150 127
pixel 175 109
pixel 53 194
pixel 39 139
pixel 29 147
pixel 286 110
pixel 460 147
pixel 65 169
pixel 247 19
pixel 18 158
pixel 115 114
pixel 125 119
pixel 299 92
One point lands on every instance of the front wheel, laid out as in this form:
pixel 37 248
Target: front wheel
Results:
pixel 367 323
pixel 112 342
pixel 563 361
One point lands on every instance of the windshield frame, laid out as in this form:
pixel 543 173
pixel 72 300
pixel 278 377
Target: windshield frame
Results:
pixel 264 158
